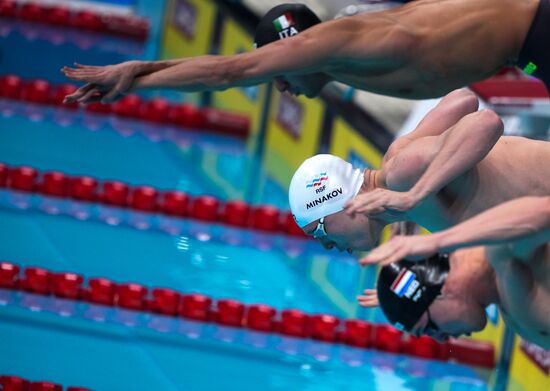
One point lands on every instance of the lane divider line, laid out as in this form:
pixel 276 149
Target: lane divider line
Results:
pixel 130 26
pixel 15 383
pixel 147 199
pixel 156 110
pixel 233 313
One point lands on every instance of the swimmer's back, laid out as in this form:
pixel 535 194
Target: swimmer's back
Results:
pixel 515 167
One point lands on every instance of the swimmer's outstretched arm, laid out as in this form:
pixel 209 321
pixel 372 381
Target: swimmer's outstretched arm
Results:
pixel 523 224
pixel 524 221
pixel 110 81
pixel 376 44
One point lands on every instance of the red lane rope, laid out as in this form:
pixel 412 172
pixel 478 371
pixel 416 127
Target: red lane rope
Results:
pixel 148 199
pixel 230 312
pixel 15 383
pixel 156 110
pixel 62 16
pixel 82 40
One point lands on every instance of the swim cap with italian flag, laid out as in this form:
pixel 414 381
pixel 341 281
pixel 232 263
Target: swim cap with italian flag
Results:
pixel 321 186
pixel 283 21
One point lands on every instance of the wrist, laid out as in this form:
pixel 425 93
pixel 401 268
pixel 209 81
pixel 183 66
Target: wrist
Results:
pixel 139 82
pixel 141 67
pixel 443 240
pixel 417 195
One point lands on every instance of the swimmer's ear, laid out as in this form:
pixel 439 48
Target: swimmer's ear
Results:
pixel 369 299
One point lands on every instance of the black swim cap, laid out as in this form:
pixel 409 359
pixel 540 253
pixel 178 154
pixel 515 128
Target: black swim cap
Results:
pixel 283 21
pixel 406 289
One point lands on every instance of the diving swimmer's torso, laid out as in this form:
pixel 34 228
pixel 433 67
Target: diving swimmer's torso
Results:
pixel 453 51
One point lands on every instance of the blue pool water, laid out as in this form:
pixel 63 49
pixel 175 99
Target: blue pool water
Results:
pixel 74 343
pixel 135 152
pixel 114 350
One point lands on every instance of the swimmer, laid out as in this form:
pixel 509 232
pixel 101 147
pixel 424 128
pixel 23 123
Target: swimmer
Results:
pixel 501 256
pixel 453 166
pixel 423 49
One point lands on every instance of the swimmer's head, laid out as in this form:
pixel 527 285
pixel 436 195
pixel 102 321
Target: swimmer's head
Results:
pixel 284 21
pixel 414 298
pixel 281 22
pixel 318 191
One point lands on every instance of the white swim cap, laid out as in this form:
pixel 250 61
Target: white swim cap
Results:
pixel 321 186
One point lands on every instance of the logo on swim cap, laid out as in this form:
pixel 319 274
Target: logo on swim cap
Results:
pixel 284 25
pixel 334 182
pixel 406 284
pixel 284 21
pixel 317 181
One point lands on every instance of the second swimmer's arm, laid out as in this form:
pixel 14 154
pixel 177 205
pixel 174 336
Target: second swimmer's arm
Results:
pixel 323 47
pixel 522 219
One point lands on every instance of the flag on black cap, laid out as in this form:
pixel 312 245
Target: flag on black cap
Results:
pixel 283 21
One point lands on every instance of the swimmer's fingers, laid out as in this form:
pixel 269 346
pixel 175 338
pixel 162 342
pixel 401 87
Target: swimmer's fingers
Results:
pixel 370 204
pixel 93 95
pixel 385 254
pixel 370 295
pixel 358 204
pixel 368 301
pixel 76 73
pixel 81 66
pixel 79 93
pixel 88 76
pixel 413 248
pixel 379 203
pixel 384 258
pixel 96 97
pixel 352 205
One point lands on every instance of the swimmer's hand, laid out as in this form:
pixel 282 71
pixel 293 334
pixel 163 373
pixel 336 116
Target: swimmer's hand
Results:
pixel 88 93
pixel 369 299
pixel 381 200
pixel 411 247
pixel 112 81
